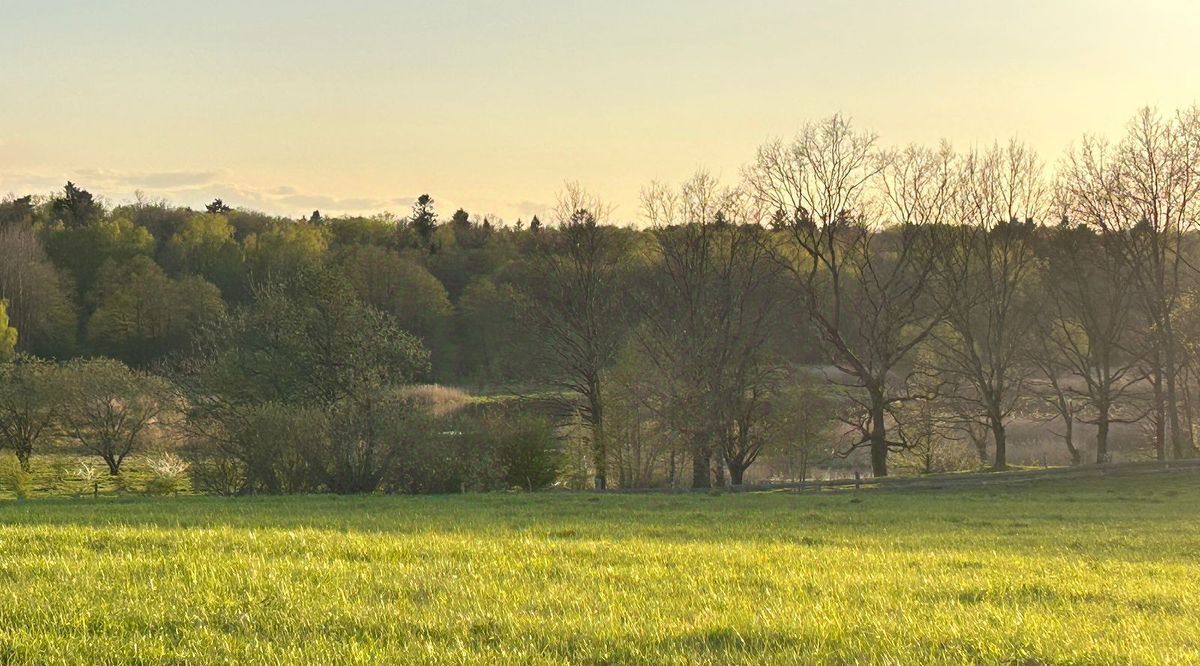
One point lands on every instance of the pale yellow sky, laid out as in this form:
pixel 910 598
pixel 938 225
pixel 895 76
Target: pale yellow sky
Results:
pixel 358 106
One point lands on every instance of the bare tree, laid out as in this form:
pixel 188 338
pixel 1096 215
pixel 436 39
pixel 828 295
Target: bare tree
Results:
pixel 1054 392
pixel 579 269
pixel 1142 194
pixel 30 391
pixel 706 318
pixel 985 283
pixel 642 444
pixel 800 426
pixel 933 444
pixel 1087 331
pixel 110 409
pixel 833 195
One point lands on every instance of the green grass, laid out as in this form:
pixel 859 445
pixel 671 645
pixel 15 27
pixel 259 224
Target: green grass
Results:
pixel 1072 572
pixel 64 474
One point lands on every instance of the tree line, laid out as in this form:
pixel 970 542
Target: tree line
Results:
pixel 839 296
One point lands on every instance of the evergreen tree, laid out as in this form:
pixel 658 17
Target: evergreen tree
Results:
pixel 76 207
pixel 424 219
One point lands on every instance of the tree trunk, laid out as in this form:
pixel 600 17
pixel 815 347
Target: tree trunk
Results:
pixel 878 437
pixel 1188 416
pixel 701 461
pixel 999 437
pixel 1160 420
pixel 1102 436
pixel 980 443
pixel 23 453
pixel 1172 399
pixel 635 476
pixel 1069 436
pixel 599 446
pixel 736 472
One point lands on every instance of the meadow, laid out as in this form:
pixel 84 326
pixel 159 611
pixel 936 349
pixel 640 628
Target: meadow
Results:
pixel 1078 572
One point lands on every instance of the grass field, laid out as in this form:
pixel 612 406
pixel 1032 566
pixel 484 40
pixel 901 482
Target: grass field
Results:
pixel 1065 572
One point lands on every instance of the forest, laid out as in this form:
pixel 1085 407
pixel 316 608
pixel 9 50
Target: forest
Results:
pixel 841 304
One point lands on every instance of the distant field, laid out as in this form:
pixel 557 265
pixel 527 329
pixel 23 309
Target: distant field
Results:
pixel 1060 572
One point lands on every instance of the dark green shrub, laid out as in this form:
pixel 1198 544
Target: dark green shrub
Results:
pixel 528 451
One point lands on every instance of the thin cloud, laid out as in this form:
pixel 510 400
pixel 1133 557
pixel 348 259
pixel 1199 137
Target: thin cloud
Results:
pixel 332 203
pixel 148 180
pixel 529 208
pixel 196 188
pixel 29 183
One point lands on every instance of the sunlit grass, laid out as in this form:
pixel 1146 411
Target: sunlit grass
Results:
pixel 1071 572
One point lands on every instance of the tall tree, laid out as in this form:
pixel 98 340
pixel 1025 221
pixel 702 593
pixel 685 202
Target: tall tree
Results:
pixel 76 207
pixel 204 245
pixel 141 314
pixel 403 288
pixel 577 291
pixel 423 219
pixel 38 295
pixel 1088 330
pixel 707 309
pixel 855 239
pixel 82 251
pixel 285 250
pixel 1143 193
pixel 985 284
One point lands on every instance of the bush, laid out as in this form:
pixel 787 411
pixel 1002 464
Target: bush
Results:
pixel 389 443
pixel 168 475
pixel 271 448
pixel 216 472
pixel 14 477
pixel 87 478
pixel 478 451
pixel 442 456
pixel 529 452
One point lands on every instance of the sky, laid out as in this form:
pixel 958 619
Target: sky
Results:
pixel 358 106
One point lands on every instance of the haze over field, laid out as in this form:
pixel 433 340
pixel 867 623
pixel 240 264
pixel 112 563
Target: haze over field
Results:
pixel 357 107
